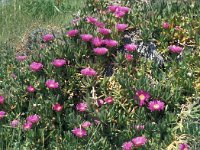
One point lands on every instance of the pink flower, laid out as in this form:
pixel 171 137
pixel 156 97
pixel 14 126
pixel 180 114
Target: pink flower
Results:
pixel 100 102
pixel 30 89
pixel 97 122
pixel 91 20
pixel 123 9
pixel 57 107
pixel 121 27
pixel 112 8
pixel 88 72
pixel 52 84
pixel 177 28
pixel 139 127
pixel 104 31
pixel 86 124
pixel 35 66
pixel 72 33
pixel 14 123
pixel 21 57
pixel 79 132
pixel 48 37
pixel 111 43
pixel 1 100
pixel 99 24
pixel 156 105
pixel 2 114
pixel 97 41
pixel 108 100
pixel 81 107
pixel 86 37
pixel 27 126
pixel 127 145
pixel 183 146
pixel 129 57
pixel 119 14
pixel 59 62
pixel 100 50
pixel 143 96
pixel 130 47
pixel 175 49
pixel 139 141
pixel 165 25
pixel 34 119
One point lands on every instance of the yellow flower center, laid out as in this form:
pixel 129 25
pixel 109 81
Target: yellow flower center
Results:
pixel 142 97
pixel 156 106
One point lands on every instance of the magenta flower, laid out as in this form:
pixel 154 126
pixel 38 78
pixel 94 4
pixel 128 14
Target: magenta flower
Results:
pixel 119 14
pixel 175 49
pixel 156 105
pixel 139 141
pixel 97 41
pixel 1 100
pixel 129 57
pixel 100 102
pixel 79 132
pixel 52 84
pixel 127 145
pixel 27 126
pixel 130 47
pixel 165 25
pixel 14 123
pixel 139 127
pixel 36 66
pixel 91 20
pixel 86 124
pixel 108 100
pixel 112 8
pixel 100 50
pixel 88 72
pixel 2 114
pixel 34 119
pixel 121 27
pixel 48 37
pixel 59 62
pixel 143 96
pixel 99 24
pixel 72 33
pixel 104 31
pixel 86 37
pixel 57 107
pixel 30 89
pixel 82 106
pixel 111 43
pixel 21 57
pixel 123 9
pixel 97 122
pixel 183 146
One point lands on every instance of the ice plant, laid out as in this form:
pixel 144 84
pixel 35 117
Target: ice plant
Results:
pixel 129 57
pixel 183 146
pixel 48 37
pixel 100 50
pixel 130 47
pixel 86 124
pixel 139 127
pixel 27 126
pixel 72 33
pixel 79 132
pixel 82 106
pixel 112 8
pixel 165 25
pixel 175 49
pixel 99 24
pixel 104 31
pixel 52 84
pixel 1 99
pixel 139 141
pixel 127 145
pixel 100 102
pixel 91 20
pixel 156 105
pixel 2 114
pixel 34 119
pixel 143 97
pixel 30 89
pixel 97 41
pixel 108 100
pixel 119 14
pixel 36 66
pixel 86 37
pixel 14 123
pixel 88 72
pixel 110 43
pixel 57 107
pixel 21 57
pixel 121 27
pixel 59 62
